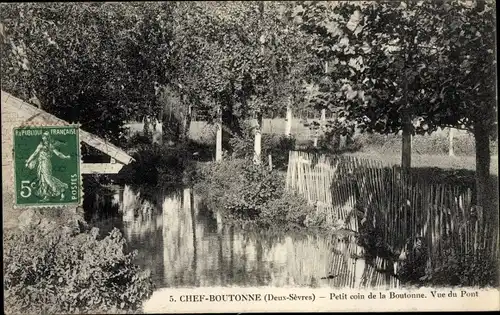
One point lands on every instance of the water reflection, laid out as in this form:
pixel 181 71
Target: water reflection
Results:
pixel 185 247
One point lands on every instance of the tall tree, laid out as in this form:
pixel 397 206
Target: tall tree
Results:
pixel 208 52
pixel 465 74
pixel 393 64
pixel 238 59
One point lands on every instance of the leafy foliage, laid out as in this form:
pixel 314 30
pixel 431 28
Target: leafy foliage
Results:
pixel 239 57
pixel 100 58
pixel 391 57
pixel 458 269
pixel 116 61
pixel 248 193
pixel 49 269
pixel 278 146
pixel 411 65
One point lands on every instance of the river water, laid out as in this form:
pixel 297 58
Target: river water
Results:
pixel 184 246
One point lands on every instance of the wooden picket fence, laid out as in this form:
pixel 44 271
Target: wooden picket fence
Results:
pixel 349 191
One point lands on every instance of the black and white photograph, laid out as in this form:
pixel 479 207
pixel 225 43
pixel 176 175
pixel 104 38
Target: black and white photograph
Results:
pixel 259 155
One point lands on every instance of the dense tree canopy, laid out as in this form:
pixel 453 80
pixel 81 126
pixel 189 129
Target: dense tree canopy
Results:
pixel 240 58
pixel 387 57
pixel 387 63
pixel 92 63
pixel 427 62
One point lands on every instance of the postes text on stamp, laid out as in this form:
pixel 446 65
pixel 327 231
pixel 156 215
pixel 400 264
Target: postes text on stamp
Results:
pixel 47 166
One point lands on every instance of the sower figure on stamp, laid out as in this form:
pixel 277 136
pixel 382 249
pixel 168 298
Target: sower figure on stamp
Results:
pixel 48 185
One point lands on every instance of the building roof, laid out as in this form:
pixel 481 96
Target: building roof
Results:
pixel 94 141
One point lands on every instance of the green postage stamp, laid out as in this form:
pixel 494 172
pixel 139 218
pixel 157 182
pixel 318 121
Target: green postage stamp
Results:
pixel 47 166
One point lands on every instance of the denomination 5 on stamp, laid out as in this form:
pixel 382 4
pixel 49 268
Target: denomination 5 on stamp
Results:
pixel 47 166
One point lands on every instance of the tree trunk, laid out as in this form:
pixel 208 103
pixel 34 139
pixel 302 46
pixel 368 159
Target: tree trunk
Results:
pixel 218 139
pixel 289 117
pixel 336 137
pixel 147 128
pixel 258 138
pixel 406 146
pixel 481 137
pixel 170 128
pixel 171 117
pixel 322 121
pixel 232 126
pixel 186 122
pixel 406 113
pixel 450 148
pixel 322 125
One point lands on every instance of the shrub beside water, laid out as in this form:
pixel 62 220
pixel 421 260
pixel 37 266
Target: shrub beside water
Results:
pixel 457 269
pixel 49 269
pixel 244 192
pixel 275 145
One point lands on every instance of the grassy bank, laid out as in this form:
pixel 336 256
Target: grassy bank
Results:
pixel 444 162
pixel 436 143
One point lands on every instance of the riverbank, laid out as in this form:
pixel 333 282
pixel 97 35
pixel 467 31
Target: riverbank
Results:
pixel 243 193
pixel 233 189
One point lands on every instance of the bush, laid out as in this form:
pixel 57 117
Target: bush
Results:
pixel 464 269
pixel 275 145
pixel 249 193
pixel 49 269
pixel 289 210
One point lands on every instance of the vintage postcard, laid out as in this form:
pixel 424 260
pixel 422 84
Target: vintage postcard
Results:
pixel 249 156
